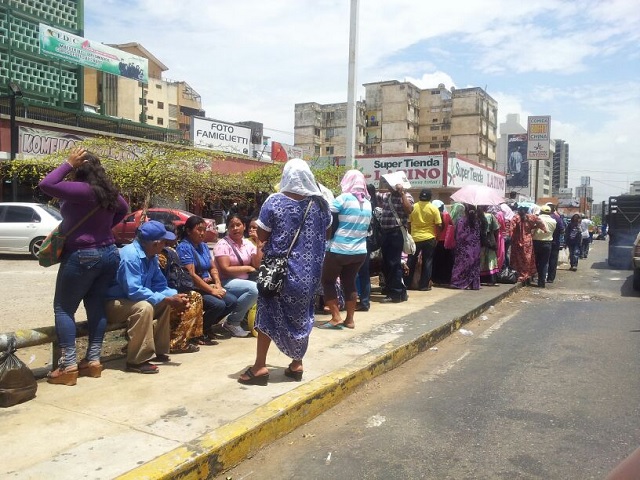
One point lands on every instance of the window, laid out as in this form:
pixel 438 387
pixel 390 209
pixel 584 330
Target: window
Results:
pixel 330 133
pixel 158 86
pixel 435 127
pixel 20 215
pixel 160 121
pixel 316 132
pixel 316 149
pixel 161 105
pixel 141 101
pixel 329 150
pixel 434 138
pixel 434 120
pixel 150 102
pixel 434 145
pixel 149 117
pixel 435 92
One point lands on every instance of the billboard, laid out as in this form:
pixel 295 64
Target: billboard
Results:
pixel 80 51
pixel 281 152
pixel 221 136
pixel 461 172
pixel 517 163
pixel 538 136
pixel 423 170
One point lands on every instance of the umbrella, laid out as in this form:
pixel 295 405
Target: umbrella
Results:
pixel 477 195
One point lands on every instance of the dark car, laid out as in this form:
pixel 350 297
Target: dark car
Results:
pixel 125 231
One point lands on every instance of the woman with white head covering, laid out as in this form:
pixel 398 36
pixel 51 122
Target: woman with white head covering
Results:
pixel 347 248
pixel 287 319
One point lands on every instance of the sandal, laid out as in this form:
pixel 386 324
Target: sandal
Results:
pixel 162 358
pixel 190 348
pixel 204 340
pixel 91 368
pixel 294 374
pixel 63 376
pixel 330 326
pixel 145 368
pixel 254 379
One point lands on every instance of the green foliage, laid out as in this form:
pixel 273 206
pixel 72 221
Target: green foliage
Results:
pixel 144 170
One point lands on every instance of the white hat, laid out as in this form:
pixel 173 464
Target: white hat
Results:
pixel 396 178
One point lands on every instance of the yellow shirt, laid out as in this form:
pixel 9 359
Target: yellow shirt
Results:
pixel 550 223
pixel 424 218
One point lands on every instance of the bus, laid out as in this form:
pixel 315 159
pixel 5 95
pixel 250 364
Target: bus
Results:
pixel 623 225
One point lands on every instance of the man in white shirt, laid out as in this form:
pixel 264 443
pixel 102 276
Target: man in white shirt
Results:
pixel 586 238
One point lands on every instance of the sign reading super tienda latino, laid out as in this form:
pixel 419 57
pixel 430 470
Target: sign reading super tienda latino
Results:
pixel 221 136
pixel 423 169
pixel 538 137
pixel 462 172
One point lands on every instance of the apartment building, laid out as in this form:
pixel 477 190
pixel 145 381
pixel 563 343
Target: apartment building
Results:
pixel 399 117
pixel 321 130
pixel 560 167
pixel 163 103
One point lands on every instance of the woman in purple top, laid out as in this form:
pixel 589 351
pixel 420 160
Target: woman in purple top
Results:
pixel 466 264
pixel 89 260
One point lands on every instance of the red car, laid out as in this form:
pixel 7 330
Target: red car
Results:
pixel 125 231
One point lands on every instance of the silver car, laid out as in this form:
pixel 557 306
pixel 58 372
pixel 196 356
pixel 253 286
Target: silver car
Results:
pixel 23 226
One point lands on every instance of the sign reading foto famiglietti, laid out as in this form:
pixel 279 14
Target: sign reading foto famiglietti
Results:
pixel 221 136
pixel 80 51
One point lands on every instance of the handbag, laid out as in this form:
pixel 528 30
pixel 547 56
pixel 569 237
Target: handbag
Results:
pixel 450 237
pixel 507 275
pixel 273 270
pixel 408 246
pixel 253 276
pixel 50 252
pixel 374 235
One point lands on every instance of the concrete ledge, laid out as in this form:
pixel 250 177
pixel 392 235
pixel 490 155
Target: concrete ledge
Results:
pixel 230 444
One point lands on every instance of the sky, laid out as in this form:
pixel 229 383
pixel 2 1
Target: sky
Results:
pixel 576 60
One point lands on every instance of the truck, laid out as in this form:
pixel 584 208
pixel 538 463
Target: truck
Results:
pixel 623 226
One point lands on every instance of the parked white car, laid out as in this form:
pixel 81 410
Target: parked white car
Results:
pixel 23 226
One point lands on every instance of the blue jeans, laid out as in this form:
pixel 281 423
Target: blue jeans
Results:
pixel 215 309
pixel 246 291
pixel 363 284
pixel 574 254
pixel 84 275
pixel 392 243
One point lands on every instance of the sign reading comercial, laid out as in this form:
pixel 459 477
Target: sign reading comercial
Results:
pixel 80 51
pixel 221 136
pixel 423 170
pixel 538 137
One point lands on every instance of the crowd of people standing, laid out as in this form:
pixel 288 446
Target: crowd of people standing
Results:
pixel 176 293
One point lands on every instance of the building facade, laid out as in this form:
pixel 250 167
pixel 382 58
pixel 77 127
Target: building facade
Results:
pixel 162 103
pixel 560 167
pixel 402 118
pixel 41 80
pixel 321 130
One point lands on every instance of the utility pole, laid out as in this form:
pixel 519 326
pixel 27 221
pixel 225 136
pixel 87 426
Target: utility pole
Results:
pixel 351 96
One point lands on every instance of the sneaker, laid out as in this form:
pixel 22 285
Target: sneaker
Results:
pixel 236 330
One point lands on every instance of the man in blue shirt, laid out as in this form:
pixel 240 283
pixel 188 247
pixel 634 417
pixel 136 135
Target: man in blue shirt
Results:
pixel 140 295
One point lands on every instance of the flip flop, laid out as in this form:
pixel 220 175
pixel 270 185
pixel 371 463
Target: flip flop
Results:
pixel 330 326
pixel 254 379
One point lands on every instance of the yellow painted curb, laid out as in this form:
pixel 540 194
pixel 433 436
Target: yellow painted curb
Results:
pixel 230 444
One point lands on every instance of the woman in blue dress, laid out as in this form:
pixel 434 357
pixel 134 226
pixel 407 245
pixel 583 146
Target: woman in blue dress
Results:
pixel 287 319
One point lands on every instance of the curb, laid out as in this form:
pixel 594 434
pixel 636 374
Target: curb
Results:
pixel 229 445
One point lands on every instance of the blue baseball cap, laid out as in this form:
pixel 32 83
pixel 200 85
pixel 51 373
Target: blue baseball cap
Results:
pixel 153 230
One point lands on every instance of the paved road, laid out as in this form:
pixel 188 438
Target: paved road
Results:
pixel 547 388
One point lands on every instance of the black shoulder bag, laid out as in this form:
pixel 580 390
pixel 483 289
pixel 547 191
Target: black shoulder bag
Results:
pixel 273 270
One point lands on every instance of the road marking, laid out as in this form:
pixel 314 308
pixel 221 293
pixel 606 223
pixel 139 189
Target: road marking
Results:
pixel 449 365
pixel 497 325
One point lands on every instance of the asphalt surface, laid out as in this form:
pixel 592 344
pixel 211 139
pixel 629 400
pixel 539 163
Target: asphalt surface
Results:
pixel 193 419
pixel 546 387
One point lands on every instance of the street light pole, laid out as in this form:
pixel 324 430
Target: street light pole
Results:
pixel 350 159
pixel 14 91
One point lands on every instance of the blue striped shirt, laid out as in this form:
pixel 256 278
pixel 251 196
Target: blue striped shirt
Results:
pixel 353 224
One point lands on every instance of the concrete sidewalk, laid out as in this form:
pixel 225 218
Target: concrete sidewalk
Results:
pixel 193 419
